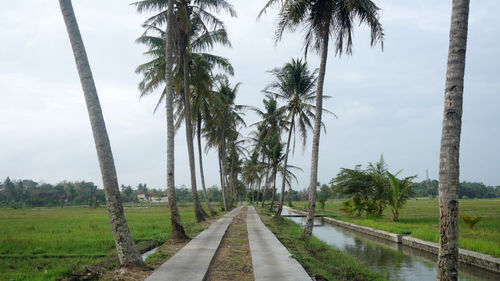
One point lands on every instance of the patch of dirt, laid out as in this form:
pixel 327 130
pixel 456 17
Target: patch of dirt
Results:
pixel 233 260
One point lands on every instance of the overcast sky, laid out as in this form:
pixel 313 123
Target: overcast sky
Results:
pixel 387 102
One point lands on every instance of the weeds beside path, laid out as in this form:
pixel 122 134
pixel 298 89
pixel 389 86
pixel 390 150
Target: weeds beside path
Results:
pixel 318 259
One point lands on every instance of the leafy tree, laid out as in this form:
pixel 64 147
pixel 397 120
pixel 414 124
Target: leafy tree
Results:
pixel 323 20
pixel 324 194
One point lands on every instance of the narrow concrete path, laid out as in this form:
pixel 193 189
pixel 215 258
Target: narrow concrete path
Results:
pixel 270 259
pixel 191 263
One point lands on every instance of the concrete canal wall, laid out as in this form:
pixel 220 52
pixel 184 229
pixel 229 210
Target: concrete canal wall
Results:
pixel 465 256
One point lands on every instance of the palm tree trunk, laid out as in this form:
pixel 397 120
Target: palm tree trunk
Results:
pixel 198 134
pixel 178 233
pixel 125 246
pixel 283 184
pixel 308 228
pixel 221 175
pixel 198 210
pixel 252 187
pixel 450 143
pixel 274 189
pixel 224 177
pixel 259 187
pixel 265 188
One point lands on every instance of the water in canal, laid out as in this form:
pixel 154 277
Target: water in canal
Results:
pixel 397 261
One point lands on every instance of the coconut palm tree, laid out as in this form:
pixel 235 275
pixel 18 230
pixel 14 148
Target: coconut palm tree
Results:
pixel 295 85
pixel 250 173
pixel 223 117
pixel 450 143
pixel 273 121
pixel 322 20
pixel 198 37
pixel 125 246
pixel 188 15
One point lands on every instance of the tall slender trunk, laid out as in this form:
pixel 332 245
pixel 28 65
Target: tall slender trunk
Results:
pixel 178 233
pixel 252 189
pixel 450 143
pixel 198 210
pixel 275 171
pixel 222 185
pixel 308 228
pixel 259 187
pixel 198 134
pixel 234 177
pixel 265 187
pixel 224 177
pixel 283 184
pixel 125 246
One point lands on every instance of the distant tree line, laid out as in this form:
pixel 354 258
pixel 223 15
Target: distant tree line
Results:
pixel 28 193
pixel 467 190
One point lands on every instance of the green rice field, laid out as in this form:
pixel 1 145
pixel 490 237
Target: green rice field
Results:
pixel 50 243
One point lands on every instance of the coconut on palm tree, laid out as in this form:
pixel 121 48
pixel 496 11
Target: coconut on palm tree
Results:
pixel 324 20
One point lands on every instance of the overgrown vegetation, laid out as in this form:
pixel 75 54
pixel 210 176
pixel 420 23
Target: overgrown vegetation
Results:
pixel 318 258
pixel 50 243
pixel 372 189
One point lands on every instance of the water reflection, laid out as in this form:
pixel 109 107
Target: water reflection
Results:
pixel 397 261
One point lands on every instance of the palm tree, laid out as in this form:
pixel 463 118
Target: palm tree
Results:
pixel 192 35
pixel 294 84
pixel 125 246
pixel 250 173
pixel 450 143
pixel 322 19
pixel 223 117
pixel 272 122
pixel 156 72
pixel 400 192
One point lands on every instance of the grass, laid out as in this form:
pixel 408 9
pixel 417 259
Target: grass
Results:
pixel 51 243
pixel 317 258
pixel 420 218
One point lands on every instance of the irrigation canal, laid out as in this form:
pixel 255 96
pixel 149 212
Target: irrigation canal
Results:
pixel 397 261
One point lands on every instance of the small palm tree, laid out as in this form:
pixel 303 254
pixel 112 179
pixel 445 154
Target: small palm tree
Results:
pixel 400 192
pixel 323 20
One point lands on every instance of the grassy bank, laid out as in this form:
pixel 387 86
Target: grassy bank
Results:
pixel 50 243
pixel 317 257
pixel 420 218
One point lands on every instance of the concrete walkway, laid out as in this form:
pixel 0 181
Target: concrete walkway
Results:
pixel 192 262
pixel 270 259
